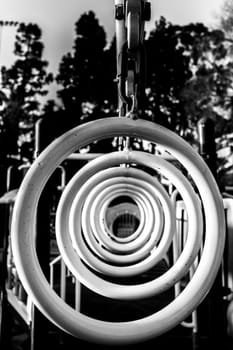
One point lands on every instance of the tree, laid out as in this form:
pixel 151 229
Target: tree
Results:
pixel 189 75
pixel 85 73
pixel 167 71
pixel 23 84
pixel 226 18
pixel 208 92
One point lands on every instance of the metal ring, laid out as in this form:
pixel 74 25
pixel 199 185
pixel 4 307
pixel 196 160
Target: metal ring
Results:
pixel 24 234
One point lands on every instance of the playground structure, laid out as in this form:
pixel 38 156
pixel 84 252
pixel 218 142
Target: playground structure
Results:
pixel 146 233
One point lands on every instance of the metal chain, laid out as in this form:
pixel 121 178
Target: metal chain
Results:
pixel 130 21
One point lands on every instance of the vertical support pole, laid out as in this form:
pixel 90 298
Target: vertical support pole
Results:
pixel 207 146
pixel 77 295
pixel 5 314
pixel 40 324
pixel 214 302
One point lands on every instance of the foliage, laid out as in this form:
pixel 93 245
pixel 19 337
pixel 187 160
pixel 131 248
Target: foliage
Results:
pixel 85 74
pixel 188 76
pixel 209 92
pixel 189 72
pixel 22 85
pixel 226 18
pixel 167 71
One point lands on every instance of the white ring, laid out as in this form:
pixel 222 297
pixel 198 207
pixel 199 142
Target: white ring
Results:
pixel 24 234
pixel 161 283
pixel 136 256
pixel 103 192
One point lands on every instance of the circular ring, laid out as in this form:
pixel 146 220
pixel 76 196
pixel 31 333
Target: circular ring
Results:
pixel 97 196
pixel 160 284
pixel 108 226
pixel 142 252
pixel 24 234
pixel 129 185
pixel 127 248
pixel 105 226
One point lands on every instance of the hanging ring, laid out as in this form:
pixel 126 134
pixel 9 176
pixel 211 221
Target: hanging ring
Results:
pixel 24 233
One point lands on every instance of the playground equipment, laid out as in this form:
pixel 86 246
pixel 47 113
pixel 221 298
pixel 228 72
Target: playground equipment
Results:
pixel 94 245
pixel 24 234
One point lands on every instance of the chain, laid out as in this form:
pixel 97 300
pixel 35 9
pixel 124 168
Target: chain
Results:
pixel 130 21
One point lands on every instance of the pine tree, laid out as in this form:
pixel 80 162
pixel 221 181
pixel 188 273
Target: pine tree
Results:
pixel 86 74
pixel 23 83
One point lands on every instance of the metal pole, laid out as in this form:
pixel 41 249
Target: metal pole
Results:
pixel 213 305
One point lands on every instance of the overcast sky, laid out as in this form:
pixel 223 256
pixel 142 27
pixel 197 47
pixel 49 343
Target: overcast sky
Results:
pixel 56 18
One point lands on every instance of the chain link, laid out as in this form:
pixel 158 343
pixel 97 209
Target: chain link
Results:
pixel 130 20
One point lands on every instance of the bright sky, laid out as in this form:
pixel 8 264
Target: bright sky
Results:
pixel 56 18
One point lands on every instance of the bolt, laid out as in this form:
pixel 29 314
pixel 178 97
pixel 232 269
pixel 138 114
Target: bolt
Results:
pixel 119 12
